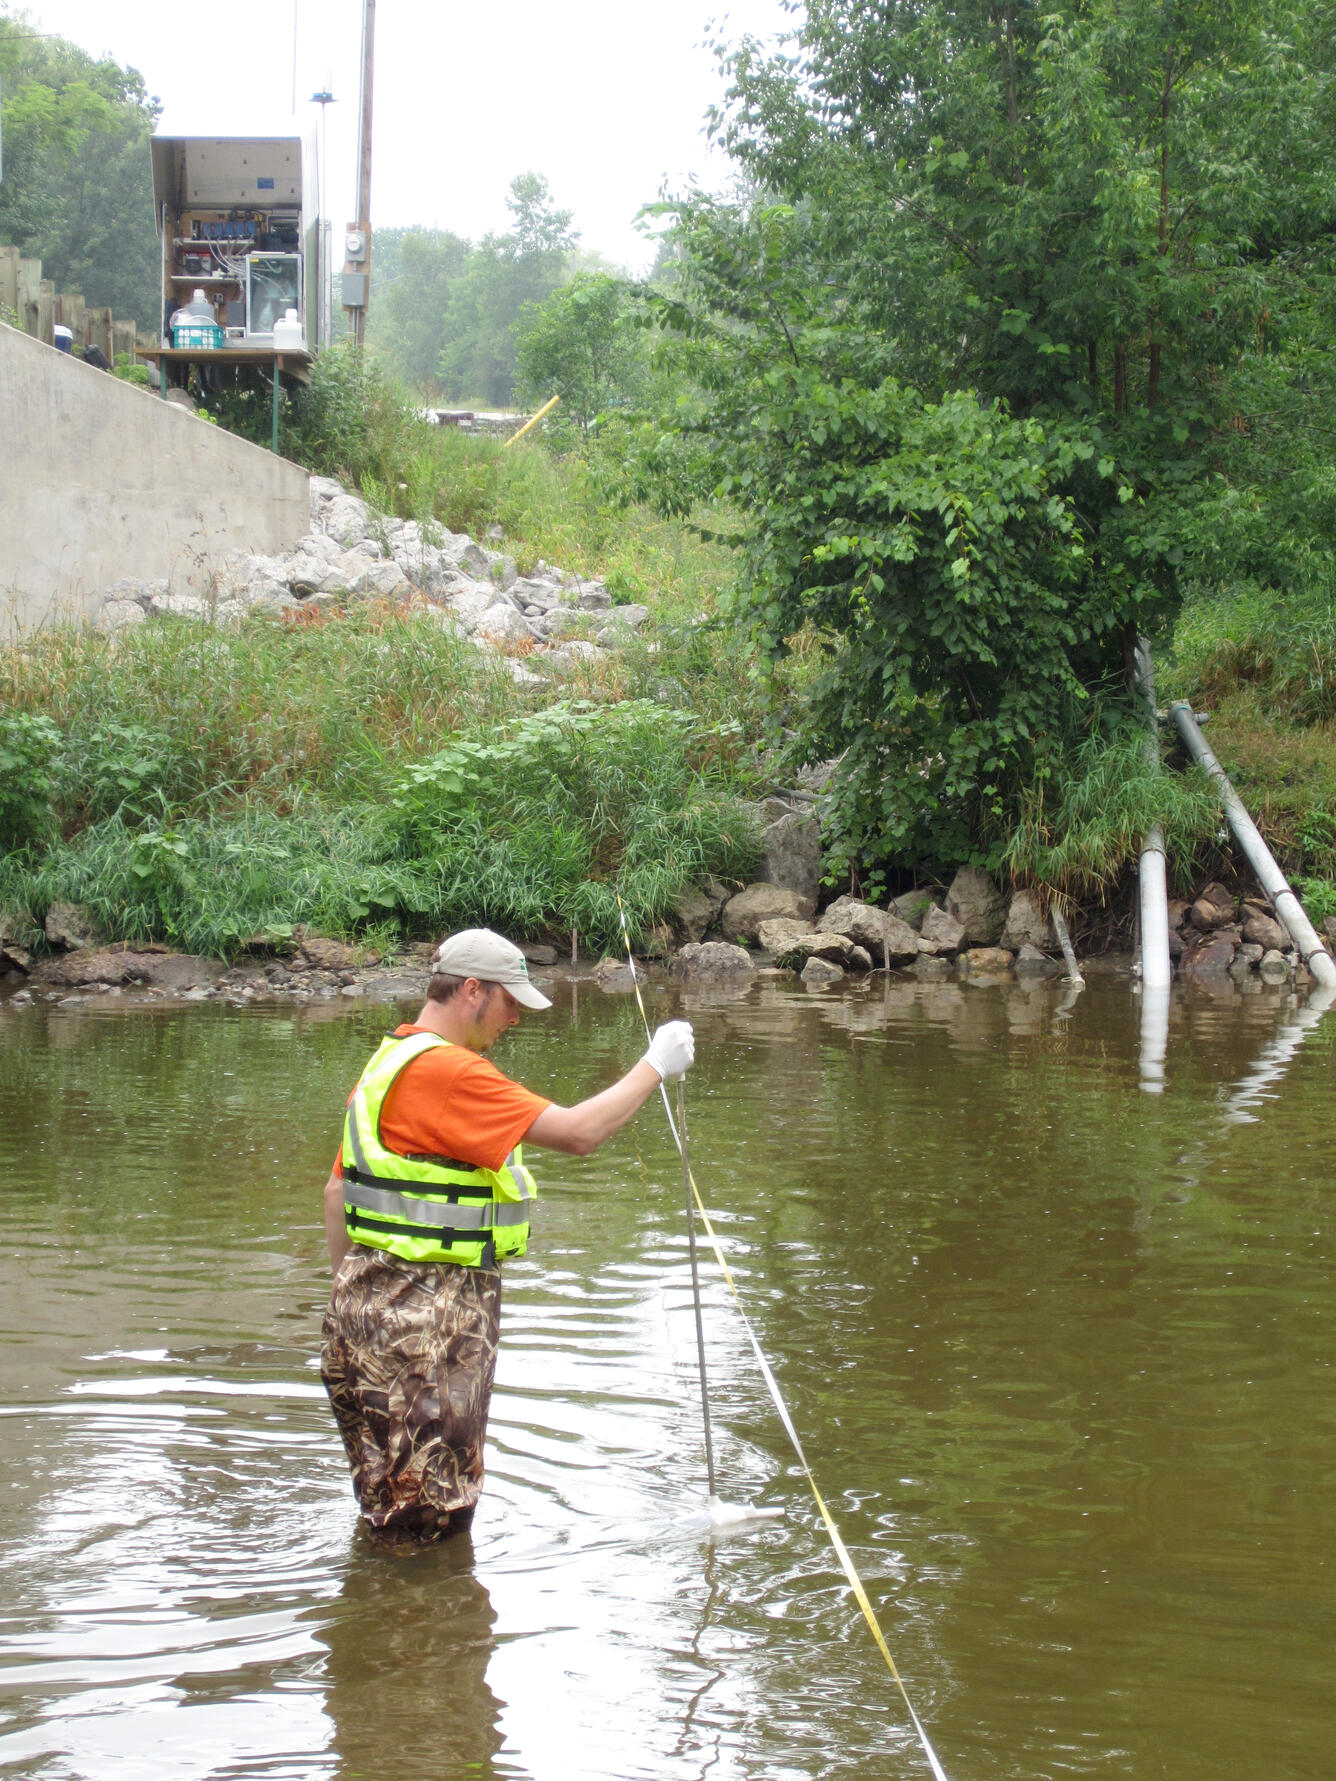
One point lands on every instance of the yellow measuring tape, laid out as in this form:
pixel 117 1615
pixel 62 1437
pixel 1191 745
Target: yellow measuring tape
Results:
pixel 777 1397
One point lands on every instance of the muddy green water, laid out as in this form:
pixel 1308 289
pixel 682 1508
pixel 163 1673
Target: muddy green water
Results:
pixel 1061 1352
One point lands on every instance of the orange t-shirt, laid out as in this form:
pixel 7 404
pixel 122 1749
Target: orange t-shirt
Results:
pixel 451 1102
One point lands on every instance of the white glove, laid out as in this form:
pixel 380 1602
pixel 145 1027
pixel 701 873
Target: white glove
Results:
pixel 672 1050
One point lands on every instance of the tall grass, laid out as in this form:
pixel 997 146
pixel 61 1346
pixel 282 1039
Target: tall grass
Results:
pixel 1084 820
pixel 1283 646
pixel 203 718
pixel 208 787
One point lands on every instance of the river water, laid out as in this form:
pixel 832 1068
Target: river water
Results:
pixel 1061 1352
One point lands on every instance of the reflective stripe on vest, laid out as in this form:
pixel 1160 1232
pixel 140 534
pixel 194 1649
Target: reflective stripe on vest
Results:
pixel 434 1209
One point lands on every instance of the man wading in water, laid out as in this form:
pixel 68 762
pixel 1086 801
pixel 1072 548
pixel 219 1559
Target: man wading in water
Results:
pixel 428 1196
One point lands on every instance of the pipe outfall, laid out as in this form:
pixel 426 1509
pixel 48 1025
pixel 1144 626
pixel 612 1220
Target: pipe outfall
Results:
pixel 1289 910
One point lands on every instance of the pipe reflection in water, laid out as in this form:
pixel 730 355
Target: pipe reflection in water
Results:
pixel 1274 1060
pixel 1154 1037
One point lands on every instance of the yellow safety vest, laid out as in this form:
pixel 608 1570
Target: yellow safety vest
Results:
pixel 426 1208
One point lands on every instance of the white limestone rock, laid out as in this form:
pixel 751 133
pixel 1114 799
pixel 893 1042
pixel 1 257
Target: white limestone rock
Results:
pixel 978 905
pixel 533 590
pixel 261 590
pixel 306 574
pixel 476 560
pixel 711 961
pixel 180 606
pixel 744 913
pixel 562 622
pixel 386 581
pixel 468 603
pixel 116 614
pixel 345 519
pixel 941 933
pixel 883 934
pixel 622 623
pixel 501 625
pixel 318 545
pixel 567 657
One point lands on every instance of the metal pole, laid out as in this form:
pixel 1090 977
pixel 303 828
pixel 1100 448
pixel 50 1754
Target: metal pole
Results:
pixel 323 317
pixel 364 160
pixel 532 421
pixel 1156 966
pixel 1289 910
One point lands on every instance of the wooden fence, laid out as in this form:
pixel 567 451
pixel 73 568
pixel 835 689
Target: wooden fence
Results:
pixel 40 306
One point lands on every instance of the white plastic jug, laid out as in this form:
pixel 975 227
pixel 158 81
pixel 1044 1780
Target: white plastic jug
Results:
pixel 288 333
pixel 199 309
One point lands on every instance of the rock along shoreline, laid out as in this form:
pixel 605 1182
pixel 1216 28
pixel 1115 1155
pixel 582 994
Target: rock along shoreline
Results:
pixel 719 937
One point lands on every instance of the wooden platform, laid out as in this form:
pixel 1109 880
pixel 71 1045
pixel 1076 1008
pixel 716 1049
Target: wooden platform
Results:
pixel 280 363
pixel 290 363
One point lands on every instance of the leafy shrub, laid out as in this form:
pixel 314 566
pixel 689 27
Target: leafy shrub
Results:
pixel 28 744
pixel 130 371
pixel 118 766
pixel 541 828
pixel 210 885
pixel 351 420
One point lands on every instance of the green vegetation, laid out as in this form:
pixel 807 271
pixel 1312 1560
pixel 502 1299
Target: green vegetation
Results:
pixel 1262 661
pixel 77 191
pixel 354 423
pixel 1015 346
pixel 366 773
pixel 1023 337
pixel 585 344
pixel 446 318
pixel 1087 815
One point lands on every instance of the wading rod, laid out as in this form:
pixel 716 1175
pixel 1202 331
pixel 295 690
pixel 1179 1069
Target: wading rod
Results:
pixel 695 1281
pixel 1289 910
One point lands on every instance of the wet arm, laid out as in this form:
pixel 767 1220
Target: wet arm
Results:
pixel 579 1130
pixel 336 1229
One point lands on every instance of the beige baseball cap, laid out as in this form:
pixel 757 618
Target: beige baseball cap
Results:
pixel 478 952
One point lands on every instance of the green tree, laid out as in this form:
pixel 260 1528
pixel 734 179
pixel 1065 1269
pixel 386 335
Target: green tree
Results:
pixel 406 326
pixel 77 189
pixel 972 362
pixel 584 345
pixel 504 273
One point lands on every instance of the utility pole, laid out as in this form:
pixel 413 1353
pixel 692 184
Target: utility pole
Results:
pixel 325 306
pixel 357 256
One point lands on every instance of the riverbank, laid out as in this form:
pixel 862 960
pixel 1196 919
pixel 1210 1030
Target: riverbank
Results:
pixel 396 729
pixel 715 942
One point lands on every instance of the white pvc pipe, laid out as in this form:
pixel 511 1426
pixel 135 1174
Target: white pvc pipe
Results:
pixel 1156 966
pixel 1289 910
pixel 1154 1037
pixel 1065 942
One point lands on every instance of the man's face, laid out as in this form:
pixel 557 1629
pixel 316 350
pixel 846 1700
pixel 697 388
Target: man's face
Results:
pixel 497 1012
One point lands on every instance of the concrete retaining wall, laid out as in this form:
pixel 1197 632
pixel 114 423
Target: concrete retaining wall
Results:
pixel 100 480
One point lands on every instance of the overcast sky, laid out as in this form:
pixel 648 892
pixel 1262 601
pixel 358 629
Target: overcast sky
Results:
pixel 605 98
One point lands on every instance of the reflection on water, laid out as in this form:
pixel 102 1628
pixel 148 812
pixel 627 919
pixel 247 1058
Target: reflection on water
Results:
pixel 1060 1351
